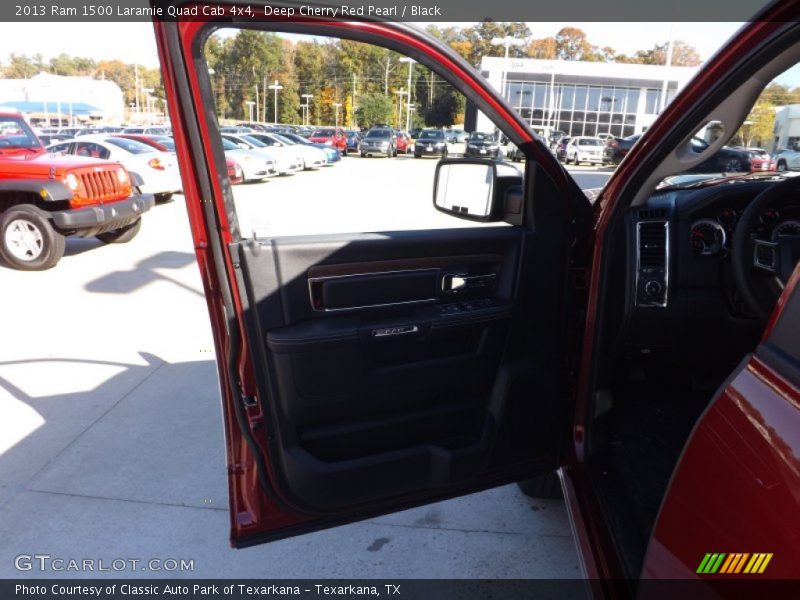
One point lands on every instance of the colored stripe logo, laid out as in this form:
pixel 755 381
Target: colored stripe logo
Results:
pixel 734 563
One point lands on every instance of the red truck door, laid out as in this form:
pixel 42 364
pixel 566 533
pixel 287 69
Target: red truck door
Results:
pixel 730 509
pixel 353 384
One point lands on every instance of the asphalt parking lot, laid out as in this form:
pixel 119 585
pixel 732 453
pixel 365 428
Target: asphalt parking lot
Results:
pixel 110 435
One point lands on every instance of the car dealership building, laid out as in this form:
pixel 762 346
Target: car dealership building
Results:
pixel 584 98
pixel 48 97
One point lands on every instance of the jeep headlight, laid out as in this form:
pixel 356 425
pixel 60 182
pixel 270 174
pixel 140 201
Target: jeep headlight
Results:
pixel 122 175
pixel 72 181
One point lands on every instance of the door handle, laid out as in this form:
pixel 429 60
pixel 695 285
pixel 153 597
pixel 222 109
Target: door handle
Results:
pixel 395 331
pixel 459 282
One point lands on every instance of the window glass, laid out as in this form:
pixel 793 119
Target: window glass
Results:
pixel 132 146
pixel 318 183
pixel 581 94
pixel 594 98
pixel 567 95
pixel 91 150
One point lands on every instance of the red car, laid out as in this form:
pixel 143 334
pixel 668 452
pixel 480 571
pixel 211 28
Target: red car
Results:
pixel 403 142
pixel 235 173
pixel 639 354
pixel 330 136
pixel 760 160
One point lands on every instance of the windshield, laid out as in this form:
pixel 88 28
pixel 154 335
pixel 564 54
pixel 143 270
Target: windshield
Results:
pixel 284 139
pixel 479 137
pixel 254 141
pixel 229 145
pixel 432 134
pixel 15 133
pixel 323 133
pixel 590 142
pixel 168 143
pixel 131 146
pixel 378 133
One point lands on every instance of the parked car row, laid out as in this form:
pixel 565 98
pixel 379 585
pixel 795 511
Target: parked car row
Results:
pixel 609 150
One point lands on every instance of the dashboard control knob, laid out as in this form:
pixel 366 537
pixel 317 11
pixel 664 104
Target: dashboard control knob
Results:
pixel 653 288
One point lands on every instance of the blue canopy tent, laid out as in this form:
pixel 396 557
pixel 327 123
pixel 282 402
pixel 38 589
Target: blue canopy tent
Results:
pixel 41 110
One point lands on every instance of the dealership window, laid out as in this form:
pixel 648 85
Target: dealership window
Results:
pixel 652 102
pixel 578 109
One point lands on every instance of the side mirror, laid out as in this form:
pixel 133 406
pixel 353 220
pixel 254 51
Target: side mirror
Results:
pixel 467 188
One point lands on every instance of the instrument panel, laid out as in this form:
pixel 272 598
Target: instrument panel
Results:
pixel 711 230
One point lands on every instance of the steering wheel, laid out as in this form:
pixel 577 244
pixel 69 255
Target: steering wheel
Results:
pixel 761 268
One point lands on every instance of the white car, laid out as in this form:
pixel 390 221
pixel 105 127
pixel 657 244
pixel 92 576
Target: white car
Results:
pixel 158 170
pixel 255 167
pixel 313 158
pixel 585 149
pixel 286 160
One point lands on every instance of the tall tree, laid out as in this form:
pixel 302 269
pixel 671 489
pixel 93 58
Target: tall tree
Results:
pixel 22 66
pixel 373 109
pixel 544 48
pixel 683 55
pixel 758 126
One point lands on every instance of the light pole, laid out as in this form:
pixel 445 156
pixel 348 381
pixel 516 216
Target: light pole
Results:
pixel 337 105
pixel 410 62
pixel 147 92
pixel 306 107
pixel 400 93
pixel 275 87
pixel 250 105
pixel 506 42
pixel 667 64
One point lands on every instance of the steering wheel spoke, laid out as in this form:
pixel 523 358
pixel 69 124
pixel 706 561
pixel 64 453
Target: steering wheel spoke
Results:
pixel 766 256
pixel 750 255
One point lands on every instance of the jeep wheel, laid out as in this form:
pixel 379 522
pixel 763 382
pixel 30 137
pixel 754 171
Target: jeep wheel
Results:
pixel 782 165
pixel 123 235
pixel 27 240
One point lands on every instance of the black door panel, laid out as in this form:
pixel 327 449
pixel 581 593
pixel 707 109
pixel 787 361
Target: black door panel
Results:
pixel 384 355
pixel 293 257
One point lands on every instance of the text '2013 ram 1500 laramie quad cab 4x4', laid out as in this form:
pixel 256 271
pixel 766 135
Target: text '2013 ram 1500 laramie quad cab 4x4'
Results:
pixel 44 198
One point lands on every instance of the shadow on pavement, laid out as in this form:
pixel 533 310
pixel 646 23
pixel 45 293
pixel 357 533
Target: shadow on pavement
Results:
pixel 40 423
pixel 144 273
pixel 77 245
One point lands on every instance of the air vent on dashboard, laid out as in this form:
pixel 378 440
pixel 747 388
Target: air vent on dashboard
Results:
pixel 652 263
pixel 652 244
pixel 653 213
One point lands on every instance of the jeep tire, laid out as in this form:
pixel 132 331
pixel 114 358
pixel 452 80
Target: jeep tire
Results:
pixel 28 241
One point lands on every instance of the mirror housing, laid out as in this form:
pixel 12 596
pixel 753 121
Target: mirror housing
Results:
pixel 467 188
